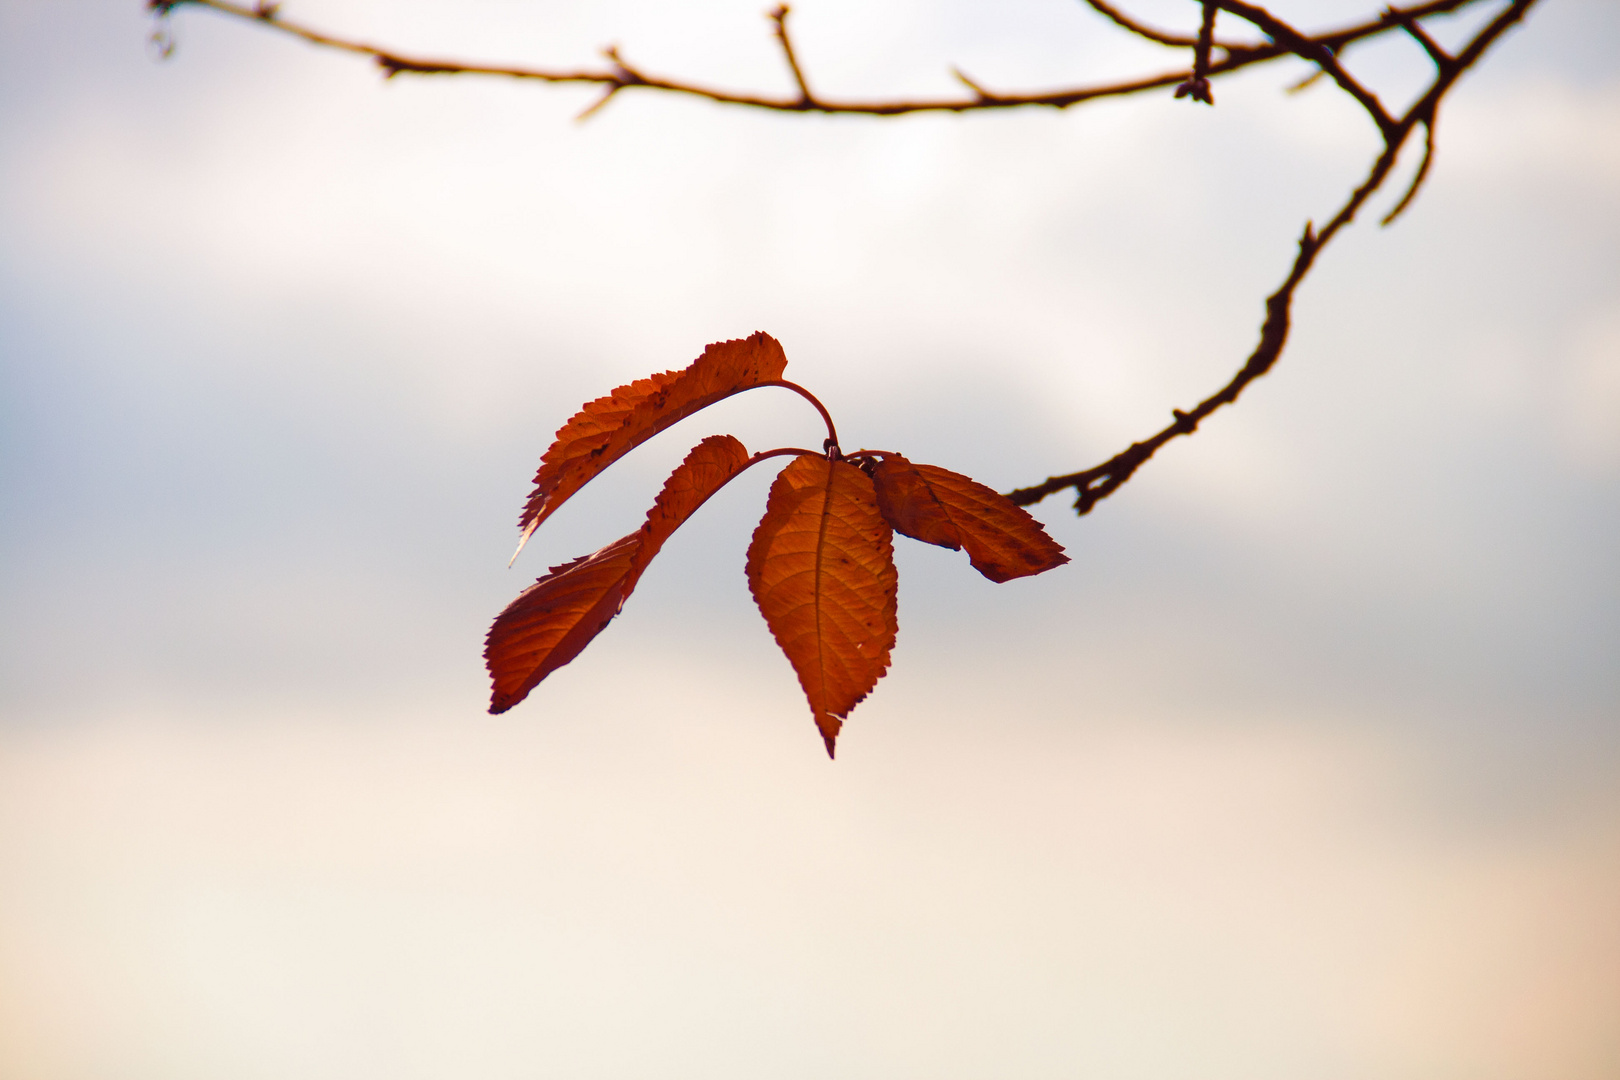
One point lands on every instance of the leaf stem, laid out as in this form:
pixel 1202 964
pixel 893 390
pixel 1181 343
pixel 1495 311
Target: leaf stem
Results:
pixel 831 446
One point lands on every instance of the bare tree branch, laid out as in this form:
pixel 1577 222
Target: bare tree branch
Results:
pixel 1421 36
pixel 779 17
pixel 621 76
pixel 1322 50
pixel 1197 87
pixel 1418 177
pixel 1311 49
pixel 1100 481
pixel 1161 37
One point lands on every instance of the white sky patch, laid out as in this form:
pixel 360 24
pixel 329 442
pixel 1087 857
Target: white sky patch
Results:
pixel 1540 130
pixel 1591 391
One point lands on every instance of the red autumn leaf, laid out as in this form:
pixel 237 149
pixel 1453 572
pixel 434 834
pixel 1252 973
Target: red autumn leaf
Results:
pixel 821 568
pixel 556 617
pixel 938 506
pixel 610 427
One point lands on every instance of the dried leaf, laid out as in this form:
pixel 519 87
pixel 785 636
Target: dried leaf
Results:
pixel 941 507
pixel 610 427
pixel 555 618
pixel 821 568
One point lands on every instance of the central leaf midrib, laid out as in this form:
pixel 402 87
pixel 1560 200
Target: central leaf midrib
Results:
pixel 821 546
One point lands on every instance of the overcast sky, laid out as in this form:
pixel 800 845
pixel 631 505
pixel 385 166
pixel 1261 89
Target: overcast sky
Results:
pixel 1308 764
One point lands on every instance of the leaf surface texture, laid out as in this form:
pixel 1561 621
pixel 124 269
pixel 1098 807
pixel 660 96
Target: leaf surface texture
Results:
pixel 556 617
pixel 610 427
pixel 941 507
pixel 821 568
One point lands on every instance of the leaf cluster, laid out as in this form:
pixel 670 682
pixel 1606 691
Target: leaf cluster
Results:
pixel 821 562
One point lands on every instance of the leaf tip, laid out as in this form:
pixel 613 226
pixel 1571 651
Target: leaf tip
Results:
pixel 829 726
pixel 528 531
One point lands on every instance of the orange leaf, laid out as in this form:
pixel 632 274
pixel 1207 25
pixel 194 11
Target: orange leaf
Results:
pixel 610 427
pixel 938 506
pixel 821 567
pixel 555 618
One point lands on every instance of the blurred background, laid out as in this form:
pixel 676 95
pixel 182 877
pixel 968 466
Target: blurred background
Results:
pixel 1307 765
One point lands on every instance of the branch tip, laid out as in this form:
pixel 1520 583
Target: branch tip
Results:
pixel 1421 175
pixel 591 109
pixel 1306 83
pixel 779 17
pixel 1197 86
pixel 1197 89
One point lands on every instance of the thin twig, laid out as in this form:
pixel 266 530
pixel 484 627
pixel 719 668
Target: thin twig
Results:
pixel 1418 177
pixel 1100 481
pixel 1304 84
pixel 1314 50
pixel 1197 87
pixel 594 107
pixel 779 19
pixel 1441 58
pixel 622 76
pixel 1141 30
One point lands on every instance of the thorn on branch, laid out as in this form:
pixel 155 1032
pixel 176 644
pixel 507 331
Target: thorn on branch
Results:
pixel 266 11
pixel 591 109
pixel 628 76
pixel 981 95
pixel 1185 424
